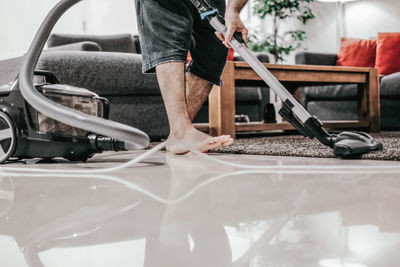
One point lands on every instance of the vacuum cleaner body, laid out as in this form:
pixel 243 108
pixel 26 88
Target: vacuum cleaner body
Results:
pixel 27 133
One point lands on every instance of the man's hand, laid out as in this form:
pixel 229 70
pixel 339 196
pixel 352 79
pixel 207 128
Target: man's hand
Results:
pixel 233 22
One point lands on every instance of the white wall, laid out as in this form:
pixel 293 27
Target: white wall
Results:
pixel 321 31
pixel 364 19
pixel 20 19
pixel 110 16
pixel 361 19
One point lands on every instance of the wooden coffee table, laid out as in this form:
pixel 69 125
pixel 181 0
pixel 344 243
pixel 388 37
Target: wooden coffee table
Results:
pixel 222 99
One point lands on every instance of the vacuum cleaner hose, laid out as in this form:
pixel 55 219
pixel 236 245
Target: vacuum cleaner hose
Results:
pixel 136 138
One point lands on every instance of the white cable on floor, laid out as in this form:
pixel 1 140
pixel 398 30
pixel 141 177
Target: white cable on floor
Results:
pixel 249 169
pixel 136 160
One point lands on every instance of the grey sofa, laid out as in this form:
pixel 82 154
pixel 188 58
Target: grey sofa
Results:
pixel 111 67
pixel 339 102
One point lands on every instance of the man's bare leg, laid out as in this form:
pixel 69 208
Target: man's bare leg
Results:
pixel 197 91
pixel 171 78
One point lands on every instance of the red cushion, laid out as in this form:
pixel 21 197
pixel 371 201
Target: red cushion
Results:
pixel 388 53
pixel 357 53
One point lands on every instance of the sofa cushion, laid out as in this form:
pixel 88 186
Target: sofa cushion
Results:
pixel 347 110
pixel 311 58
pixel 146 113
pixel 390 85
pixel 387 54
pixel 357 53
pixel 338 92
pixel 333 110
pixel 9 68
pixel 123 43
pixel 81 46
pixel 106 73
pixel 390 110
pixel 244 94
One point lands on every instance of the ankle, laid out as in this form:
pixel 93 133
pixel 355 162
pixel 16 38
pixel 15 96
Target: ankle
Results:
pixel 181 130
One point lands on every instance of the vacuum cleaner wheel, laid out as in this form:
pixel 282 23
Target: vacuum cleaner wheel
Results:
pixel 7 137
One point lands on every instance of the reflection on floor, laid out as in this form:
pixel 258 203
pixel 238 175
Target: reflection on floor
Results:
pixel 191 211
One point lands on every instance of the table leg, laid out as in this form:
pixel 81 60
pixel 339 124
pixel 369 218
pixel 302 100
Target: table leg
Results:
pixel 222 104
pixel 374 103
pixel 363 102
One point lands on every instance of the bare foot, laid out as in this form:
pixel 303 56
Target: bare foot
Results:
pixel 179 142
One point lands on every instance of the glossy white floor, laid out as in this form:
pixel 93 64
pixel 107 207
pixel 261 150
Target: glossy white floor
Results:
pixel 174 211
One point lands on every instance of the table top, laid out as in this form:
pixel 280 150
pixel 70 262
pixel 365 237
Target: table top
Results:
pixel 323 68
pixel 307 74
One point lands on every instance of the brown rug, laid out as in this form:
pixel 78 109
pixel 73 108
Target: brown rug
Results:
pixel 299 146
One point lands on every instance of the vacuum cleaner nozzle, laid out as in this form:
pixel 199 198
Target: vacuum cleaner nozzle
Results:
pixel 354 144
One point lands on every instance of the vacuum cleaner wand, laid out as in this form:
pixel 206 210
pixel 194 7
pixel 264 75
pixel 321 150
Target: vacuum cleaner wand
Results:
pixel 345 145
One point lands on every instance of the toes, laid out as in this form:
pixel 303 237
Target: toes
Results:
pixel 212 141
pixel 209 144
pixel 227 142
pixel 216 142
pixel 223 138
pixel 215 146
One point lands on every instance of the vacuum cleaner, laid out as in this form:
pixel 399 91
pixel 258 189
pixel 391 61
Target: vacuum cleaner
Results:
pixel 27 133
pixel 344 145
pixel 41 118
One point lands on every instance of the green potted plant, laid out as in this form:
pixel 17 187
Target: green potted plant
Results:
pixel 280 44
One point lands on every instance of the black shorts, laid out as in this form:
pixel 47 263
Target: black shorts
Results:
pixel 168 29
